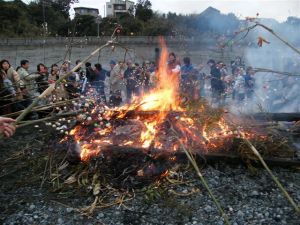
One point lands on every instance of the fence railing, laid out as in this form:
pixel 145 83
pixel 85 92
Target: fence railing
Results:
pixel 96 40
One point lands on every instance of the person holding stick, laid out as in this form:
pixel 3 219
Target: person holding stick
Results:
pixel 7 126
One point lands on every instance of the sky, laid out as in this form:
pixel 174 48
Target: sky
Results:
pixel 277 9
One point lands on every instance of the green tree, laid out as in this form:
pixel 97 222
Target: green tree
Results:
pixel 143 10
pixel 158 26
pixel 15 20
pixel 85 25
pixel 107 25
pixel 131 26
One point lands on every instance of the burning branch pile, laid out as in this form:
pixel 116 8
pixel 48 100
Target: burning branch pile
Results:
pixel 135 144
pixel 150 120
pixel 153 128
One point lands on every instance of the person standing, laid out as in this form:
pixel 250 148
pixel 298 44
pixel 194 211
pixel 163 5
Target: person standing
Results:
pixel 173 64
pixel 107 91
pixel 14 77
pixel 59 91
pixel 117 84
pixel 189 80
pixel 31 88
pixel 89 72
pixel 72 84
pixel 132 86
pixel 216 82
pixel 7 94
pixel 249 82
pixel 239 86
pixel 42 79
pixel 100 75
pixel 54 74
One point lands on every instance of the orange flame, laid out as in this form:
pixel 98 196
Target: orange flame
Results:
pixel 164 97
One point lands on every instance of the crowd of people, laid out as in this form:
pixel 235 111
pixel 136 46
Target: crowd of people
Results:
pixel 231 85
pixel 116 85
pixel 121 81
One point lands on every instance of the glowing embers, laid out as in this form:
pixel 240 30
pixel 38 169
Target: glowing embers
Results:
pixel 148 136
pixel 88 150
pixel 154 122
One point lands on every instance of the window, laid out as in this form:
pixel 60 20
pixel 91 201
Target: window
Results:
pixel 119 7
pixel 109 6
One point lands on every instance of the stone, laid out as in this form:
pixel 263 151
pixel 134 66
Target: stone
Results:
pixel 277 218
pixel 254 193
pixel 220 222
pixel 69 210
pixel 240 214
pixel 60 221
pixel 208 209
pixel 185 191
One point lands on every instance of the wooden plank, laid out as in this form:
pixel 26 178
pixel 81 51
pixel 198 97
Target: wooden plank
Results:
pixel 277 116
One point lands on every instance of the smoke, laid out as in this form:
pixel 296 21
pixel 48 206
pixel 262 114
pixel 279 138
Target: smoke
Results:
pixel 273 92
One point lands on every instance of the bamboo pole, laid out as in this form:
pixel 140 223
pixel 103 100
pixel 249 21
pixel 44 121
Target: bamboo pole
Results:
pixel 275 179
pixel 277 36
pixel 203 180
pixel 257 70
pixel 42 107
pixel 26 123
pixel 51 87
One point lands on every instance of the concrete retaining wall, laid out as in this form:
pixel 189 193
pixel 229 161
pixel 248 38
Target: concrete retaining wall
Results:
pixel 53 50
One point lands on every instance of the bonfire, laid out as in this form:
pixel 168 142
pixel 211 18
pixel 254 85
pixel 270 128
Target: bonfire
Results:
pixel 155 122
pixel 136 144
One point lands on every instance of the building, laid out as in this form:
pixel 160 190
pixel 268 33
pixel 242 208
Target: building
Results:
pixel 115 8
pixel 86 11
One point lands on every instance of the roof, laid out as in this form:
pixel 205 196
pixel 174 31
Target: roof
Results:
pixel 86 8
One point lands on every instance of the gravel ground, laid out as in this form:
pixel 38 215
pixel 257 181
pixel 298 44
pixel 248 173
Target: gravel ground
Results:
pixel 246 199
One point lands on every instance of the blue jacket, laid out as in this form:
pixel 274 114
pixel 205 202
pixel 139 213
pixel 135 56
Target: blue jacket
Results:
pixel 186 70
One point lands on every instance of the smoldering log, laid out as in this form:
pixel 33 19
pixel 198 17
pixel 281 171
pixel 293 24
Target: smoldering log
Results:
pixel 258 116
pixel 122 157
pixel 289 117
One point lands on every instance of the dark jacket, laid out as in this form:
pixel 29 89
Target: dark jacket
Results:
pixel 216 82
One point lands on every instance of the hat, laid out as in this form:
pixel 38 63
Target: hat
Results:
pixel 113 62
pixel 211 61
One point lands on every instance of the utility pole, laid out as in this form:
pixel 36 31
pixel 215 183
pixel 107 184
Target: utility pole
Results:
pixel 98 20
pixel 45 28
